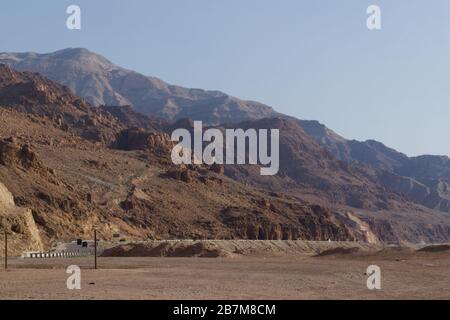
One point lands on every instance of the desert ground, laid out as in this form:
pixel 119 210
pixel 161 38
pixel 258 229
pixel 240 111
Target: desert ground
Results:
pixel 405 274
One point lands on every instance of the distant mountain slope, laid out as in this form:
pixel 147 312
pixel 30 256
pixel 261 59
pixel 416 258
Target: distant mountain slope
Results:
pixel 369 152
pixel 424 179
pixel 101 82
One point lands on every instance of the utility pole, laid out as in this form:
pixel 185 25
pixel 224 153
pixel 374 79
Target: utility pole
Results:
pixel 6 250
pixel 95 249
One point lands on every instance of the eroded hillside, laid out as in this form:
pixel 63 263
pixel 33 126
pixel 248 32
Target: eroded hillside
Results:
pixel 74 168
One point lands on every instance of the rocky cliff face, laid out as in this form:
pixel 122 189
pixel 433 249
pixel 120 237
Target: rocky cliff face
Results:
pixel 158 143
pixel 309 170
pixel 35 95
pixel 23 235
pixel 12 154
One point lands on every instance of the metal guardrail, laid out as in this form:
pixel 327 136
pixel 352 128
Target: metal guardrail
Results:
pixel 55 254
pixel 63 254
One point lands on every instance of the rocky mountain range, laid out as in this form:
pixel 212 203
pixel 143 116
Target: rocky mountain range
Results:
pixel 424 179
pixel 79 165
pixel 101 82
pixel 67 168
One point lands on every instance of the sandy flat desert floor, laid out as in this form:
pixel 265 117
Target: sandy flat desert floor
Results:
pixel 404 275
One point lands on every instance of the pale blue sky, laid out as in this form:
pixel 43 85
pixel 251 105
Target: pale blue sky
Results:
pixel 310 59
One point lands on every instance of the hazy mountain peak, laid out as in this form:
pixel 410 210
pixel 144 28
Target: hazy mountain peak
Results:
pixel 81 55
pixel 100 82
pixel 74 52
